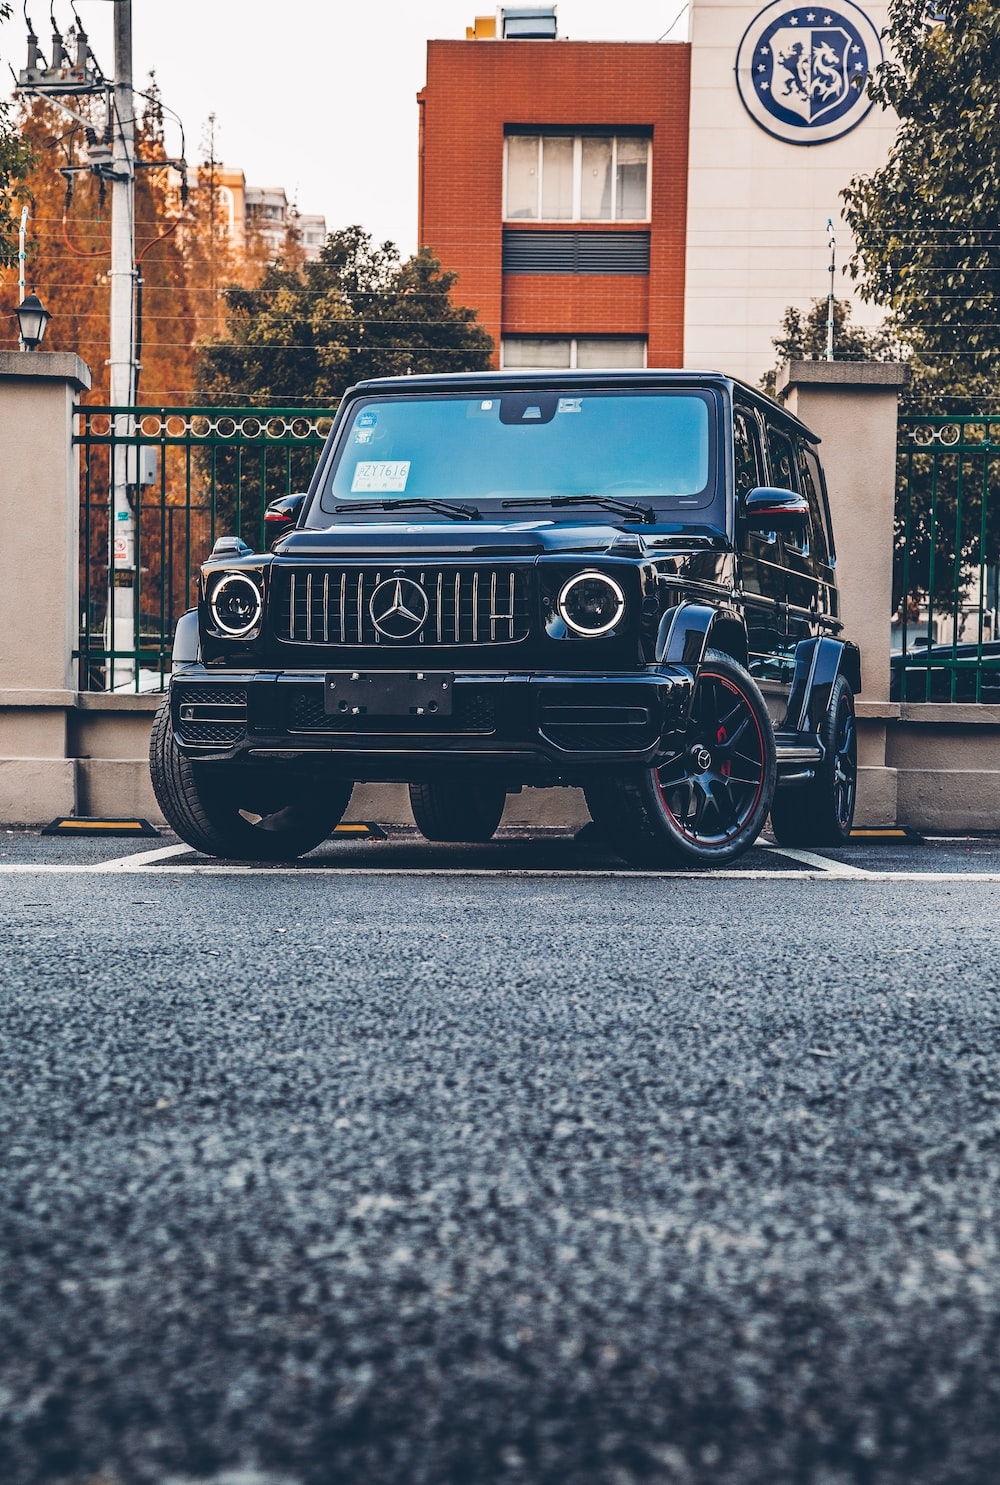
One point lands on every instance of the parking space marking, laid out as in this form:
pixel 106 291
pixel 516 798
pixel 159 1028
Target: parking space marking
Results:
pixel 141 864
pixel 818 863
pixel 143 858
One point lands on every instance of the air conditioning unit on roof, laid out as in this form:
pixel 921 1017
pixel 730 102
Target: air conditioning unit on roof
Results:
pixel 529 23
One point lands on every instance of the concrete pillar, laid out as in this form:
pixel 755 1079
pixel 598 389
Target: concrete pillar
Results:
pixel 39 580
pixel 853 406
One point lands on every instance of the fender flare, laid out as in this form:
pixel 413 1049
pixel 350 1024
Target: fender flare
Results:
pixel 818 662
pixel 187 641
pixel 686 630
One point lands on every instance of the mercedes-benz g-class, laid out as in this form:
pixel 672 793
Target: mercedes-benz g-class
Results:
pixel 622 581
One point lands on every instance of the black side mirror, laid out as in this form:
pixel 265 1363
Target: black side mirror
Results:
pixel 770 509
pixel 281 516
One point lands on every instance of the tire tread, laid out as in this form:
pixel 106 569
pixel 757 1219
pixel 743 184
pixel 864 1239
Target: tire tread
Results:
pixel 181 796
pixel 457 812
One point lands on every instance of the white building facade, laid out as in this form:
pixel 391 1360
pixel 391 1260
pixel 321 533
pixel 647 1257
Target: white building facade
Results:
pixel 779 125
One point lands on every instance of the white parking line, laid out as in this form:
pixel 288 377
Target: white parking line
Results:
pixel 143 858
pixel 141 865
pixel 818 863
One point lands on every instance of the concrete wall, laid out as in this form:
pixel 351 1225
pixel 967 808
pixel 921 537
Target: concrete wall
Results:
pixel 39 586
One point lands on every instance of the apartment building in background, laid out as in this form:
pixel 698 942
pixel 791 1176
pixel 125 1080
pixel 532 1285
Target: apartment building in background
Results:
pixel 553 178
pixel 648 203
pixel 244 211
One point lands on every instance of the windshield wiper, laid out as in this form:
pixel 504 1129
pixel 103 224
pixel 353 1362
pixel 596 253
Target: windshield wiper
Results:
pixel 442 507
pixel 628 508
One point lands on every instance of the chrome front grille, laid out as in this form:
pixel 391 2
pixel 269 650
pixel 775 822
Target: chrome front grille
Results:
pixel 471 605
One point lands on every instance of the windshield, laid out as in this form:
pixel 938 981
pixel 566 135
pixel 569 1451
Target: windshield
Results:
pixel 649 447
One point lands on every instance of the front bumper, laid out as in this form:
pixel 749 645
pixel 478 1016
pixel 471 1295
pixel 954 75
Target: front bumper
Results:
pixel 552 725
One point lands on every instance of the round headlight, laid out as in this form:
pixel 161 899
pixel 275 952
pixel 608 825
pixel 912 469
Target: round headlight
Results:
pixel 237 604
pixel 591 603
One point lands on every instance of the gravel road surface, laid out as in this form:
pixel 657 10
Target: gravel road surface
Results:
pixel 312 1179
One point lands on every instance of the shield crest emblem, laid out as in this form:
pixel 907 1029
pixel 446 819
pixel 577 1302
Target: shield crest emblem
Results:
pixel 810 69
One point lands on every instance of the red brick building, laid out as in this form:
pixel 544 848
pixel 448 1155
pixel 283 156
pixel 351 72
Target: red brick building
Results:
pixel 553 179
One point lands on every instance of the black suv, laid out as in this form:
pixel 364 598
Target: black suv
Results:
pixel 617 580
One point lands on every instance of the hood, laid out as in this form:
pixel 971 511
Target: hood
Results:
pixel 488 539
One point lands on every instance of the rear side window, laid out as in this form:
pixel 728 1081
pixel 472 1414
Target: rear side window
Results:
pixel 810 483
pixel 782 455
pixel 748 472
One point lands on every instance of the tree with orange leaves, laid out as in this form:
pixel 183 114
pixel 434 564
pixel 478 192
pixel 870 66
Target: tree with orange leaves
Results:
pixel 15 167
pixel 177 232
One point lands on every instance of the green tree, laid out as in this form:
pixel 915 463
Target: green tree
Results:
pixel 927 223
pixel 15 167
pixel 927 233
pixel 303 335
pixel 802 337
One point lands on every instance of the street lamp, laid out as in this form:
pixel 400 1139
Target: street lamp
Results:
pixel 32 318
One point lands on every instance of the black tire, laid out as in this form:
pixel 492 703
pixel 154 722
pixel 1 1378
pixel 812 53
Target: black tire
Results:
pixel 241 814
pixel 468 810
pixel 821 812
pixel 706 805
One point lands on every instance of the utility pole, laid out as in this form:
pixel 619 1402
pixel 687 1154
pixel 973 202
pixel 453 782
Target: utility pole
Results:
pixel 116 165
pixel 22 260
pixel 213 296
pixel 831 301
pixel 120 627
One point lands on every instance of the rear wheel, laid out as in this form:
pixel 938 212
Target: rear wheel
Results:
pixel 461 811
pixel 242 814
pixel 821 812
pixel 707 804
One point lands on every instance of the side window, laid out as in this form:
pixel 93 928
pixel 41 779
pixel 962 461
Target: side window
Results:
pixel 747 472
pixel 810 483
pixel 781 452
pixel 779 447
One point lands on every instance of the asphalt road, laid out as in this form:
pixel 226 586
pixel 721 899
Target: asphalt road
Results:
pixel 466 1168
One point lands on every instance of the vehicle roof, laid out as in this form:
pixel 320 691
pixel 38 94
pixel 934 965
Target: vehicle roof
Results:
pixel 522 380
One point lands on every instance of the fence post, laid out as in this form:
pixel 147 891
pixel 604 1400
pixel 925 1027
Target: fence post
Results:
pixel 853 406
pixel 39 581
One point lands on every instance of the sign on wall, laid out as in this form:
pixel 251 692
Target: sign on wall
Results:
pixel 801 70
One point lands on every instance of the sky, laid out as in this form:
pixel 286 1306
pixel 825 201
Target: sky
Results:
pixel 316 95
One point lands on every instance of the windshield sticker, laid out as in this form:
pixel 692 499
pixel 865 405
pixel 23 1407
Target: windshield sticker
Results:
pixel 377 477
pixel 364 427
pixel 570 404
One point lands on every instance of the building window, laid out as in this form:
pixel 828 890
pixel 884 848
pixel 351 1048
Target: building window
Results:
pixel 586 178
pixel 567 353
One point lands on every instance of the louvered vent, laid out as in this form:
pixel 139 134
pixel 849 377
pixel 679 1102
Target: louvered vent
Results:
pixel 575 252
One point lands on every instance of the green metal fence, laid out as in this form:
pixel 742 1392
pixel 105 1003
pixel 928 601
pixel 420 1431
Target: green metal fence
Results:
pixel 197 473
pixel 192 474
pixel 945 638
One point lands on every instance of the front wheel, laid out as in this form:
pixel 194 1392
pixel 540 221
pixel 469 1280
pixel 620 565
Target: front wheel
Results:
pixel 241 814
pixel 821 812
pixel 706 804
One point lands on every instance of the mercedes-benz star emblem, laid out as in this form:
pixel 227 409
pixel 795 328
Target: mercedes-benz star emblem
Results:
pixel 398 608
